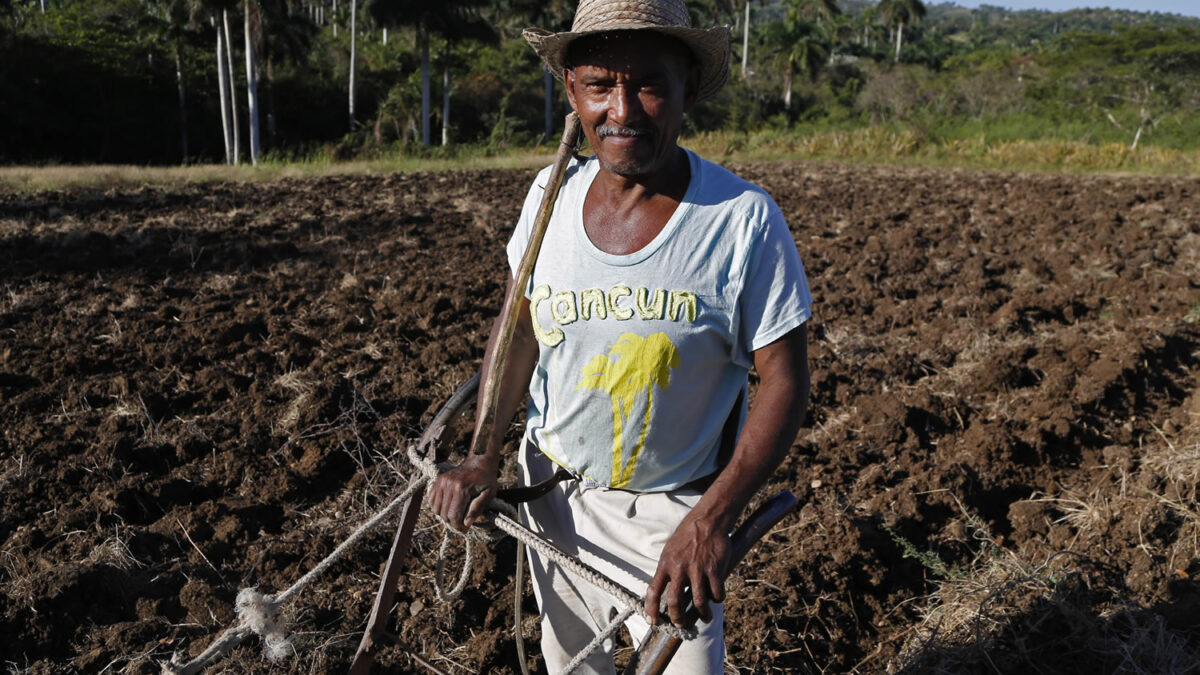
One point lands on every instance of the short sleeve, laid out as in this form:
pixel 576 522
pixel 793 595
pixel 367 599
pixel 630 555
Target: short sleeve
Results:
pixel 775 296
pixel 520 236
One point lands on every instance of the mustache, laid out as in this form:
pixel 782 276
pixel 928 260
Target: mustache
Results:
pixel 606 130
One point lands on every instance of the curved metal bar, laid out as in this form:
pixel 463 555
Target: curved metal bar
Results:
pixel 461 398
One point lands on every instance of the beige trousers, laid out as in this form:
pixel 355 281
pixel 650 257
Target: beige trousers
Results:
pixel 621 534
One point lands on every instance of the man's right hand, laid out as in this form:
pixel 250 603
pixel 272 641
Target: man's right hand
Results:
pixel 460 496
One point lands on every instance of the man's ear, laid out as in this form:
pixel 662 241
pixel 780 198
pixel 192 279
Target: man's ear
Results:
pixel 569 86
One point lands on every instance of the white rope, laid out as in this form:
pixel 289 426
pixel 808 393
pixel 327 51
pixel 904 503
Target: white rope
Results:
pixel 224 644
pixel 597 642
pixel 259 614
pixel 585 572
pixel 439 570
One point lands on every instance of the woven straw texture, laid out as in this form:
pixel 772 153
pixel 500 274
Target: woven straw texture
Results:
pixel 710 46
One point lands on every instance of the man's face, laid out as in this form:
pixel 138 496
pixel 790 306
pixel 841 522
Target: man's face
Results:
pixel 631 90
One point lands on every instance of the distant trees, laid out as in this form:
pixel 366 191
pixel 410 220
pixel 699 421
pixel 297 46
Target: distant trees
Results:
pixel 272 30
pixel 552 15
pixel 452 20
pixel 815 10
pixel 135 80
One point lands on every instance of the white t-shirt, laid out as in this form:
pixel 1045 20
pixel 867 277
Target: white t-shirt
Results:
pixel 643 356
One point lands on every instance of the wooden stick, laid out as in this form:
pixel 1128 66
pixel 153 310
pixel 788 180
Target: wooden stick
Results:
pixel 486 423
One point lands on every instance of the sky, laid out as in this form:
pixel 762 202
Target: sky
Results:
pixel 1185 7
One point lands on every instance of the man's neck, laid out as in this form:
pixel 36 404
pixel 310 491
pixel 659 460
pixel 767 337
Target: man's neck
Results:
pixel 622 214
pixel 670 181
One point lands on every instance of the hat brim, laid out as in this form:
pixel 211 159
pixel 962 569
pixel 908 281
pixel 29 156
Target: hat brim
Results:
pixel 710 47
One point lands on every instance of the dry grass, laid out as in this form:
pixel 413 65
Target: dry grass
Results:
pixel 114 551
pixel 1179 464
pixel 17 580
pixel 13 468
pixel 871 144
pixel 875 144
pixel 22 296
pixel 1089 514
pixel 30 179
pixel 221 283
pixel 301 387
pixel 983 616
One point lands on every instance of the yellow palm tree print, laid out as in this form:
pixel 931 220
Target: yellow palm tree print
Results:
pixel 633 365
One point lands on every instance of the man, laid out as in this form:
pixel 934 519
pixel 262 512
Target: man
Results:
pixel 662 280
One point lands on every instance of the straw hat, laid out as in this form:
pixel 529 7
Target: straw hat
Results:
pixel 710 47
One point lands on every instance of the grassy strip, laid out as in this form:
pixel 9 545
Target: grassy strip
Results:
pixel 905 146
pixel 870 145
pixel 31 179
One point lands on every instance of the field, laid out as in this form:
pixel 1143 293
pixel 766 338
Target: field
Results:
pixel 205 387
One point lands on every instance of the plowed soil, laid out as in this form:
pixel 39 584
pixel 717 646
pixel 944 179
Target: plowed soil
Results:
pixel 204 388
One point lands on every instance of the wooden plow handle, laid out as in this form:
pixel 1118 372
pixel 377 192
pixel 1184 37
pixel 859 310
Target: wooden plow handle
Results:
pixel 490 393
pixel 659 648
pixel 376 632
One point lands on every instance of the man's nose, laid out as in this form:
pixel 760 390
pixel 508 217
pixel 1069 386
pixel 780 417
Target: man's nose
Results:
pixel 624 105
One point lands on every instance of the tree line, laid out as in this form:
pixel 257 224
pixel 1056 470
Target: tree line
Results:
pixel 181 81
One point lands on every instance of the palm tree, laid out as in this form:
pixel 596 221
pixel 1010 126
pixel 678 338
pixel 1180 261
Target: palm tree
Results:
pixel 738 17
pixel 633 365
pixel 233 106
pixel 841 30
pixel 817 10
pixel 218 13
pixel 171 23
pixel 253 30
pixel 800 46
pixel 284 36
pixel 868 21
pixel 898 13
pixel 227 123
pixel 553 15
pixel 823 13
pixel 746 41
pixel 353 53
pixel 218 16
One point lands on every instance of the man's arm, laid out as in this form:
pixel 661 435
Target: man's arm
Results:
pixel 697 553
pixel 461 495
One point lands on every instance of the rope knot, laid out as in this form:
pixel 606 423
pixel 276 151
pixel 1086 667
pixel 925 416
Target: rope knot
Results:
pixel 260 613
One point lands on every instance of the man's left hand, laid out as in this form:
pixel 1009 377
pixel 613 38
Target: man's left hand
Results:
pixel 696 557
pixel 694 560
